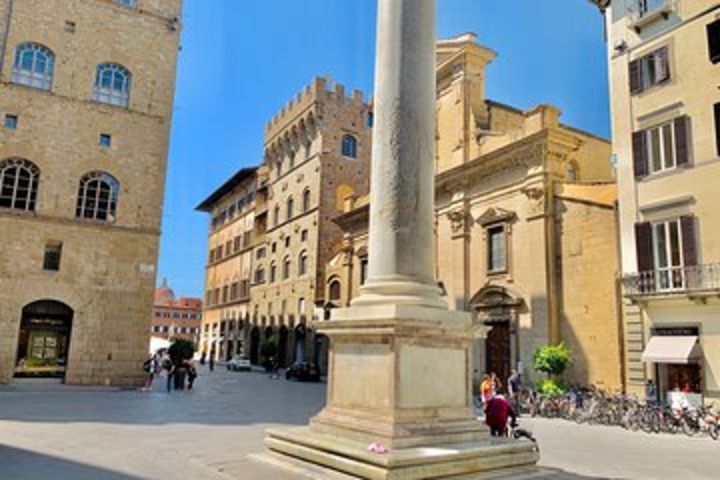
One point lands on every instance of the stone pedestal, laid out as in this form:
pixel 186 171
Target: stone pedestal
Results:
pixel 400 375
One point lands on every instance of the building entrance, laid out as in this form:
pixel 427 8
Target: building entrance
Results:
pixel 498 350
pixel 44 340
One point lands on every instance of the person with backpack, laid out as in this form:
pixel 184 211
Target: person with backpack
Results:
pixel 150 367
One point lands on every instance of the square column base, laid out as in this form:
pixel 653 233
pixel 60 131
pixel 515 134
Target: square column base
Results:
pixel 489 458
pixel 401 375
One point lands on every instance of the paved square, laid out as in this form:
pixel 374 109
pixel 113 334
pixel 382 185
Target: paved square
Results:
pixel 57 432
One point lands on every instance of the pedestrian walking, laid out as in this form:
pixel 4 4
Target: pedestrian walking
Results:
pixel 514 387
pixel 192 374
pixel 169 369
pixel 650 392
pixel 202 358
pixel 496 417
pixel 150 366
pixel 212 362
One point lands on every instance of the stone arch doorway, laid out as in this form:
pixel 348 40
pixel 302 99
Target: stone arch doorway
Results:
pixel 322 349
pixel 282 346
pixel 255 345
pixel 299 348
pixel 497 309
pixel 44 340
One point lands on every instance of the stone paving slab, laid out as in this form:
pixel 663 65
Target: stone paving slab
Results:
pixel 71 433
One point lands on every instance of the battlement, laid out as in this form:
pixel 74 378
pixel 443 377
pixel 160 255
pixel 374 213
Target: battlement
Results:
pixel 321 89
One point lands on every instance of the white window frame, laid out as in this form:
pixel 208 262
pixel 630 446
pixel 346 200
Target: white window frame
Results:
pixel 111 95
pixel 668 277
pixel 502 227
pixel 664 164
pixel 34 78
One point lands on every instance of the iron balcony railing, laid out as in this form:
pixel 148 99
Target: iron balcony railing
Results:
pixel 673 280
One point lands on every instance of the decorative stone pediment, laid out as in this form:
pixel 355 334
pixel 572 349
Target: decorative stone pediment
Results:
pixel 495 296
pixel 496 215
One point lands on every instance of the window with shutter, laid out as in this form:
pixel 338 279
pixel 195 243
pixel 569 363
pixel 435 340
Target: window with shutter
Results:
pixel 717 127
pixel 713 32
pixel 649 70
pixel 682 140
pixel 636 84
pixel 689 241
pixel 640 154
pixel 644 246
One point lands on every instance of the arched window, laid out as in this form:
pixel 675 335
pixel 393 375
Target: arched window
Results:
pixel 302 263
pixel 306 200
pixel 97 197
pixel 334 290
pixel 273 272
pixel 18 184
pixel 571 172
pixel 286 268
pixel 112 85
pixel 349 146
pixel 34 65
pixel 290 208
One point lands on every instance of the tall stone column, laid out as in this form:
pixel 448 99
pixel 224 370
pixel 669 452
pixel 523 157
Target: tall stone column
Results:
pixel 402 182
pixel 400 366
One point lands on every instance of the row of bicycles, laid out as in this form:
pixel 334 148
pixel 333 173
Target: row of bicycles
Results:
pixel 600 408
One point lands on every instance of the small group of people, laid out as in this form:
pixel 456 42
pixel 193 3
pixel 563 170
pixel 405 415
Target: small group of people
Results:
pixel 176 375
pixel 497 408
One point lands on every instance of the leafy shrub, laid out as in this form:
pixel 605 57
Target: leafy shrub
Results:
pixel 551 387
pixel 181 350
pixel 552 359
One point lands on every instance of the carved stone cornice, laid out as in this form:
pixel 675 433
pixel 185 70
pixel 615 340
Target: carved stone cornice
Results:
pixel 528 152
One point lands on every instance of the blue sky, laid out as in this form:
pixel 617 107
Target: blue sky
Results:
pixel 242 60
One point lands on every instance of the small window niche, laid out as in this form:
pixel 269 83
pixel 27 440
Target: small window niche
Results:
pixel 51 259
pixel 11 122
pixel 105 140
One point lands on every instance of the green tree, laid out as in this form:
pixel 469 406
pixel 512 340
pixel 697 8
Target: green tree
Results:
pixel 181 350
pixel 552 360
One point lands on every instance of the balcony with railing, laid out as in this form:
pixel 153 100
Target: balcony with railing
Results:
pixel 692 281
pixel 645 12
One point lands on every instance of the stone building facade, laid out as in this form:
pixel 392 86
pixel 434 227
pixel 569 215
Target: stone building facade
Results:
pixel 83 149
pixel 664 59
pixel 317 152
pixel 231 243
pixel 525 227
pixel 175 317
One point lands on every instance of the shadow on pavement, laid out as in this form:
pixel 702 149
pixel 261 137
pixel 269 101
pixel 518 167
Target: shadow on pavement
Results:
pixel 18 464
pixel 219 398
pixel 557 474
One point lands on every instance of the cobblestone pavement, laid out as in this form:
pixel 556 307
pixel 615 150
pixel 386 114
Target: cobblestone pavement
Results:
pixel 57 432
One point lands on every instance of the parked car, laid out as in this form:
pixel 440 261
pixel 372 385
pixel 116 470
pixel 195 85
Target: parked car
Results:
pixel 303 372
pixel 239 364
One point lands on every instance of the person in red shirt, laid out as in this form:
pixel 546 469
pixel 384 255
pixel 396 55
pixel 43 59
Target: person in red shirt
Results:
pixel 497 414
